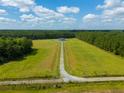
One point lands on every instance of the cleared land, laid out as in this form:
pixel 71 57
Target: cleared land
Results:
pixel 85 60
pixel 43 62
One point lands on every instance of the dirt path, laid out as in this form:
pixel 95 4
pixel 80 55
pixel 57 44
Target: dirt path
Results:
pixel 40 81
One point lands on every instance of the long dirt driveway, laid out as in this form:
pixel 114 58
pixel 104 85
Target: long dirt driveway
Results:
pixel 64 76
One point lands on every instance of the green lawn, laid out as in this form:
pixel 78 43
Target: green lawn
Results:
pixel 43 62
pixel 85 60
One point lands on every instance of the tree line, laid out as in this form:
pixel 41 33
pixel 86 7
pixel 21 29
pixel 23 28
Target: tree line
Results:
pixel 37 34
pixel 110 41
pixel 13 48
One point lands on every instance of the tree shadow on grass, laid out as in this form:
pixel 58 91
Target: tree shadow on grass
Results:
pixel 32 53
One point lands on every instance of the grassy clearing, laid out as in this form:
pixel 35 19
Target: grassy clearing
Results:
pixel 103 87
pixel 43 62
pixel 85 60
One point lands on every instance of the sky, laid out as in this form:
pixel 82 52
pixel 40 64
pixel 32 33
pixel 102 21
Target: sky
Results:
pixel 62 14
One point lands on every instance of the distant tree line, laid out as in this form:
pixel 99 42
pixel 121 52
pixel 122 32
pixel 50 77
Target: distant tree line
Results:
pixel 37 34
pixel 110 41
pixel 47 34
pixel 13 48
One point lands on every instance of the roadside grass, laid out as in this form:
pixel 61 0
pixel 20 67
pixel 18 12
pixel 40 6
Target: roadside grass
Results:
pixel 43 62
pixel 85 60
pixel 102 87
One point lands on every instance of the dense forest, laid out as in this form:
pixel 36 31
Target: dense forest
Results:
pixel 110 41
pixel 12 48
pixel 47 34
pixel 15 44
pixel 37 34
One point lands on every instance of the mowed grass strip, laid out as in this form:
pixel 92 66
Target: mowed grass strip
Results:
pixel 101 87
pixel 43 62
pixel 85 60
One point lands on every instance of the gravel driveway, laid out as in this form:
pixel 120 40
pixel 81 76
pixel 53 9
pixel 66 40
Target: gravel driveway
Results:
pixel 65 76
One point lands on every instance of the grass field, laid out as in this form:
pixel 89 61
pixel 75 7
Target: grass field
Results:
pixel 106 87
pixel 85 60
pixel 43 62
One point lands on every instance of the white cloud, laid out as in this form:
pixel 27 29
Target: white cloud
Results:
pixel 39 15
pixel 110 4
pixel 112 12
pixel 25 17
pixel 116 12
pixel 68 20
pixel 90 17
pixel 2 12
pixel 65 9
pixel 47 13
pixel 6 20
pixel 32 19
pixel 23 5
pixel 51 16
pixel 107 20
pixel 36 19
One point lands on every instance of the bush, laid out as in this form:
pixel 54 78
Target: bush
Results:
pixel 13 48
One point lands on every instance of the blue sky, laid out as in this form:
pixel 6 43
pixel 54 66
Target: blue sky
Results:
pixel 61 14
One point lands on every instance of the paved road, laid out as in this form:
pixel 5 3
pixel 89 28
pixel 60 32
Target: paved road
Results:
pixel 69 78
pixel 65 76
